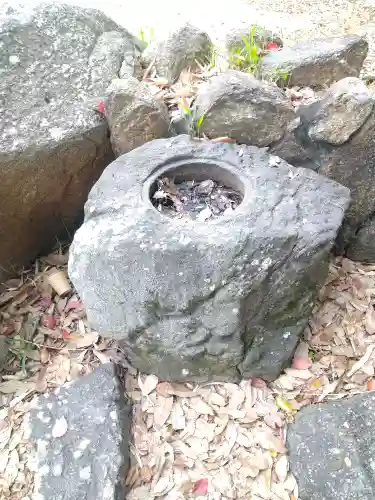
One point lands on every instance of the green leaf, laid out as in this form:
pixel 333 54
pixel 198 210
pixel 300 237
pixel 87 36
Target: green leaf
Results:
pixel 246 43
pixel 200 121
pixel 254 53
pixel 186 109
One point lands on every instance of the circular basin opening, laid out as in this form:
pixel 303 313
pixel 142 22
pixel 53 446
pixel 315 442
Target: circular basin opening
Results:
pixel 196 191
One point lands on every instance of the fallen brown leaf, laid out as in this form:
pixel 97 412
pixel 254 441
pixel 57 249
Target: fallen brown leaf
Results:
pixel 162 411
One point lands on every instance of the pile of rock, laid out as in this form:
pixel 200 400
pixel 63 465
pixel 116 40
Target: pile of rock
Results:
pixel 331 135
pixel 222 299
pixel 55 144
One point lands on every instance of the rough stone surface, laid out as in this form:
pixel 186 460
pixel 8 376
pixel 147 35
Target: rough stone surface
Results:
pixel 318 63
pixel 53 145
pixel 344 109
pixel 238 105
pixel 112 55
pixel 351 163
pixel 362 246
pixel 82 436
pixel 182 48
pixel 331 449
pixel 134 115
pixel 4 348
pixel 206 300
pixel 261 36
pixel 290 149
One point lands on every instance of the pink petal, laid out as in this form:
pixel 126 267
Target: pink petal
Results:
pixel 73 304
pixel 272 46
pixel 66 334
pixel 49 321
pixel 201 486
pixel 101 107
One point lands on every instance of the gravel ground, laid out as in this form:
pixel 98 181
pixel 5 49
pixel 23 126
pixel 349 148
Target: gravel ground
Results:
pixel 295 19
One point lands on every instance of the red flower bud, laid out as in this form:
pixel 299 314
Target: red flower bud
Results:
pixel 101 107
pixel 272 46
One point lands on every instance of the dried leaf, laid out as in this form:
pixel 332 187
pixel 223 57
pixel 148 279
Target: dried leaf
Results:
pixel 236 399
pixel 260 460
pixel 146 474
pixel 60 427
pixel 370 321
pixel 55 259
pixel 164 389
pixel 283 404
pixel 181 391
pixel 285 382
pixel 216 399
pixel 299 373
pixel 223 139
pixel 200 406
pixel 162 411
pixel 175 389
pixel 79 342
pixel 162 487
pixel 140 493
pixel 178 420
pixel 274 421
pixel 204 214
pixel 281 468
pixel 44 355
pixel 290 483
pixel 358 365
pixel 269 442
pixel 16 386
pixel 148 385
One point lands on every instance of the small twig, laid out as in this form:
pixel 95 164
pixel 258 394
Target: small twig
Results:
pixel 149 68
pixel 41 345
pixel 362 361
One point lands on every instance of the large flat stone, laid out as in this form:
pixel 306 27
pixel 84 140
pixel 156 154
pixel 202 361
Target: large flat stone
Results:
pixel 318 63
pixel 82 437
pixel 331 449
pixel 56 62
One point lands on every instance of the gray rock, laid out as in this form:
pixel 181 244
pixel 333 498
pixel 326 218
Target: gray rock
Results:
pixel 290 149
pixel 350 163
pixel 131 66
pixel 53 144
pixel 248 110
pixel 4 349
pixel 181 49
pixel 206 300
pixel 182 125
pixel 234 39
pixel 82 436
pixel 112 55
pixel 134 115
pixel 344 109
pixel 362 245
pixel 318 63
pixel 331 449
